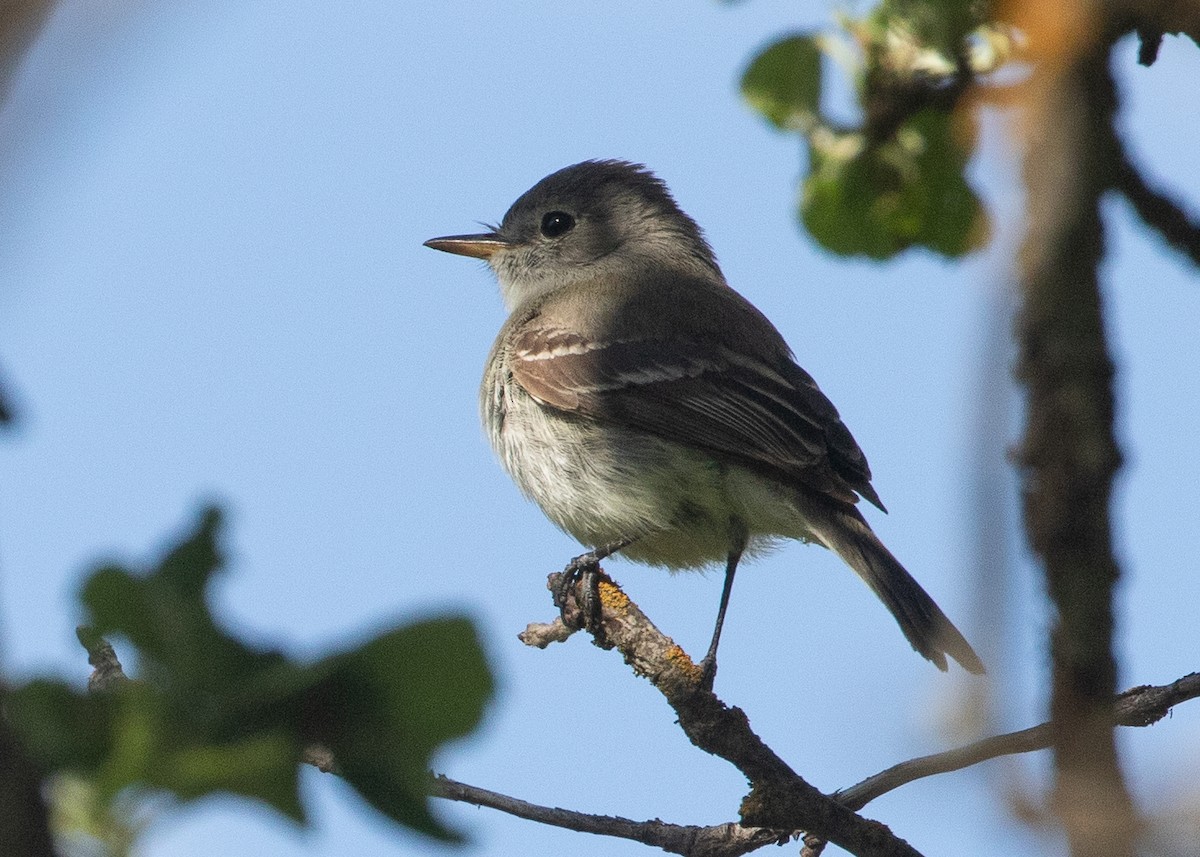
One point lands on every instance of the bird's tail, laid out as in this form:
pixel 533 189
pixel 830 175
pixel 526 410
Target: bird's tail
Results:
pixel 844 531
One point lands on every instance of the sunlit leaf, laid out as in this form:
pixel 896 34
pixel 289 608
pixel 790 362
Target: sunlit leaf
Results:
pixel 879 200
pixel 784 82
pixel 85 822
pixel 939 25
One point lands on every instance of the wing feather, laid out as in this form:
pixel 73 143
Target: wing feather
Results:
pixel 700 393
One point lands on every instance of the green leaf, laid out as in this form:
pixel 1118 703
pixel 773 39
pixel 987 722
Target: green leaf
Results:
pixel 164 613
pixel 60 728
pixel 879 200
pixel 262 767
pixel 953 220
pixel 190 565
pixel 207 713
pixel 784 82
pixel 939 25
pixel 386 707
pixel 87 822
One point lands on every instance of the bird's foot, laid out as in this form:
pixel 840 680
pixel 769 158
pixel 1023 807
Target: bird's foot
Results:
pixel 708 672
pixel 584 609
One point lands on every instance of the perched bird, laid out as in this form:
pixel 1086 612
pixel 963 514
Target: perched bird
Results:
pixel 650 409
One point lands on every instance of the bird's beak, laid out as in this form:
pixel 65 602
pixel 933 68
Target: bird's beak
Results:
pixel 480 246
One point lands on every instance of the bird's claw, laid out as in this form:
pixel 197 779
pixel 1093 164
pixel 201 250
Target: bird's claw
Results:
pixel 583 570
pixel 708 673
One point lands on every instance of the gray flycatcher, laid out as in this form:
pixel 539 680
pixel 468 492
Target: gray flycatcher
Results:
pixel 650 409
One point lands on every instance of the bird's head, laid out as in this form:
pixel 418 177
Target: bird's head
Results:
pixel 590 221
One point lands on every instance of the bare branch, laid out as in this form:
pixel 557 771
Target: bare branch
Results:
pixel 779 798
pixel 320 757
pixel 1149 41
pixel 1138 706
pixel 721 840
pixel 1154 18
pixel 107 672
pixel 1157 210
pixel 20 23
pixel 542 634
pixel 660 657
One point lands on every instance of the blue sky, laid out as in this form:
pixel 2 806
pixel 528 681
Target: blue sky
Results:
pixel 214 288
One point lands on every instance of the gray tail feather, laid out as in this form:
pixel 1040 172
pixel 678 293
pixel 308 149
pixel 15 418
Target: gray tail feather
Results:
pixel 922 621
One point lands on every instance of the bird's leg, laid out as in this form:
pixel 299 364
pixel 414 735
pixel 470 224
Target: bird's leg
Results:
pixel 585 568
pixel 708 666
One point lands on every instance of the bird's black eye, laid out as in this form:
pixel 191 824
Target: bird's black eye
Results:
pixel 555 223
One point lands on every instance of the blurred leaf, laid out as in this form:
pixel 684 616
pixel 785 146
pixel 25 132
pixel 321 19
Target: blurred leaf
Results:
pixel 137 731
pixel 939 25
pixel 165 614
pixel 385 707
pixel 262 767
pixel 784 82
pixel 208 713
pixel 86 823
pixel 60 728
pixel 879 200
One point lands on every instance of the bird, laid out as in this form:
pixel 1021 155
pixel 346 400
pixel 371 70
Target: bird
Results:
pixel 651 410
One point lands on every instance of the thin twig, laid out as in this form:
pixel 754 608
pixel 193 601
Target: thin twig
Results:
pixel 107 672
pixel 719 840
pixel 1149 41
pixel 1138 706
pixel 1157 210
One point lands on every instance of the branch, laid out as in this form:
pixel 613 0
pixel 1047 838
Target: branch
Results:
pixel 1139 706
pixel 664 664
pixel 1157 210
pixel 1069 455
pixel 107 672
pixel 720 840
pixel 1154 18
pixel 779 798
pixel 20 24
pixel 24 815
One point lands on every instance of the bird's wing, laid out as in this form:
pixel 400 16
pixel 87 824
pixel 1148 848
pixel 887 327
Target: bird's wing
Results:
pixel 702 393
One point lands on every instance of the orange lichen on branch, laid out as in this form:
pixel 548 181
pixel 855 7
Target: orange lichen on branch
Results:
pixel 682 661
pixel 611 596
